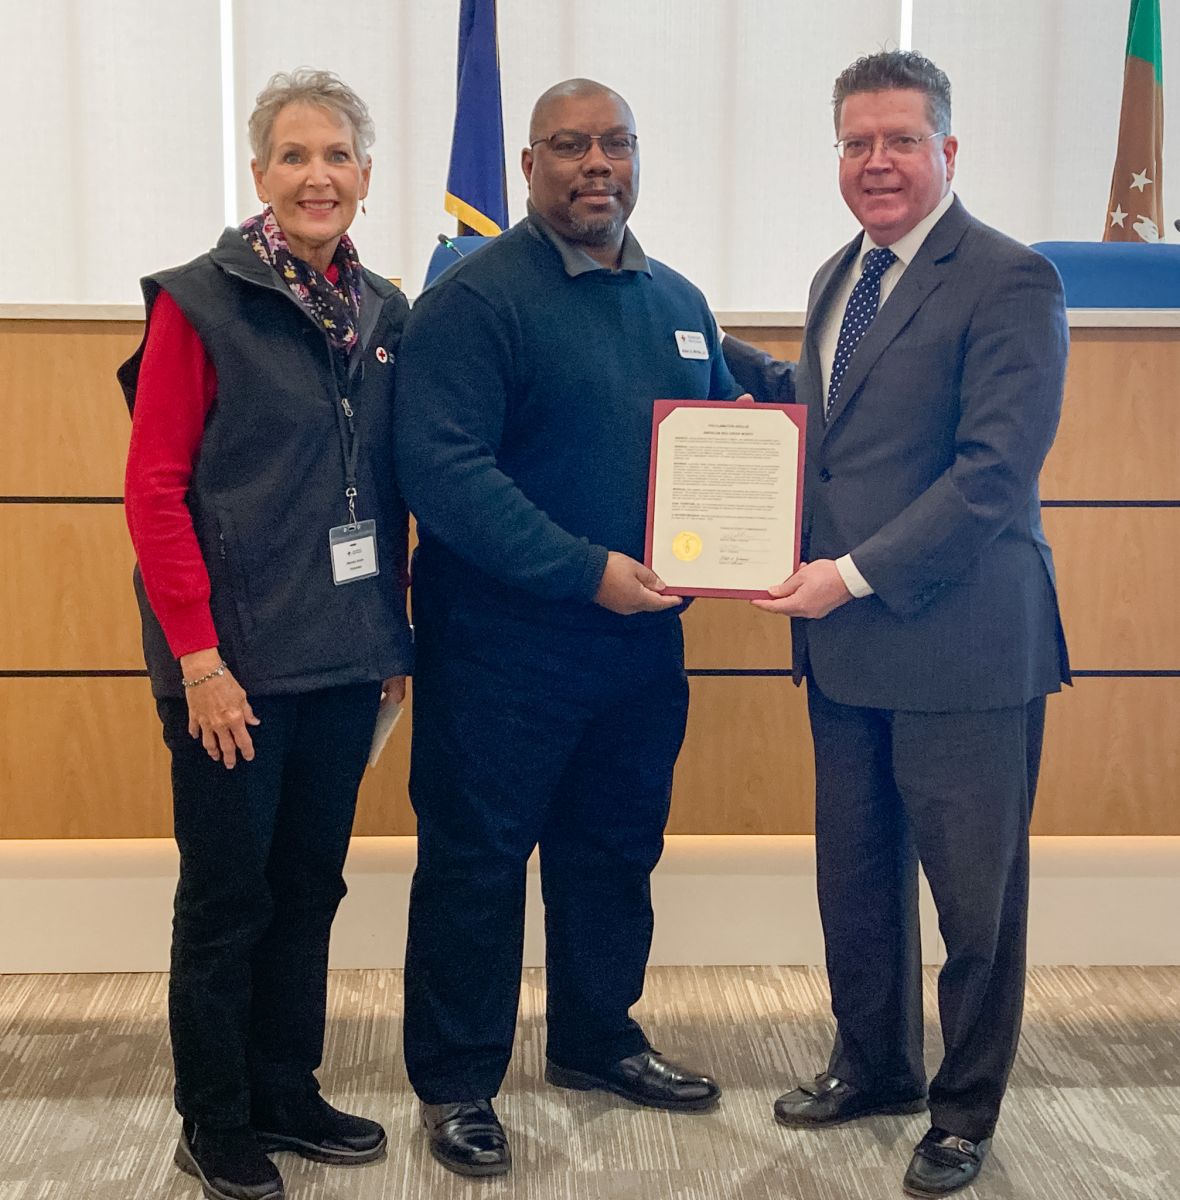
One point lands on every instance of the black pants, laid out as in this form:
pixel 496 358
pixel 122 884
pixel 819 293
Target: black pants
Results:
pixel 527 735
pixel 955 791
pixel 262 851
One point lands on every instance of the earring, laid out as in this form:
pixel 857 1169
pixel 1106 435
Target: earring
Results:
pixel 364 210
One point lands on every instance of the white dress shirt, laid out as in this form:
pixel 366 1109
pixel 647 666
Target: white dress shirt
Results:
pixel 829 334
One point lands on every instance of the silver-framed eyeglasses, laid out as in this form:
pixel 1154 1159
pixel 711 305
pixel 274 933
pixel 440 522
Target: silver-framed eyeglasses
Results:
pixel 897 145
pixel 572 144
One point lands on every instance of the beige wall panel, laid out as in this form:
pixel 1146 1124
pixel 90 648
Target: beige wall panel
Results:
pixel 1112 759
pixel 1120 426
pixel 66 589
pixel 747 764
pixel 82 758
pixel 733 635
pixel 66 424
pixel 1118 576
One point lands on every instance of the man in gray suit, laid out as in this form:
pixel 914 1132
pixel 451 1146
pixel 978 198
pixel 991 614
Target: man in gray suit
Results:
pixel 925 616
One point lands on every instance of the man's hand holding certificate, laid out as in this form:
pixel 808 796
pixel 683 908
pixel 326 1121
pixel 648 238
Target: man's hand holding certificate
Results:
pixel 725 496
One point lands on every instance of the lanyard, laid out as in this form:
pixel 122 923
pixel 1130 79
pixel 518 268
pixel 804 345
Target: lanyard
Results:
pixel 350 444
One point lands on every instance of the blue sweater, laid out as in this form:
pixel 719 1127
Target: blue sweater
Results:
pixel 523 420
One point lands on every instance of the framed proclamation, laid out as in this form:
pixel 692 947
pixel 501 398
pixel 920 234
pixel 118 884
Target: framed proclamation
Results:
pixel 725 496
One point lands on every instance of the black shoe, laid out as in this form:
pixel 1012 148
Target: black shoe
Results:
pixel 830 1101
pixel 943 1163
pixel 645 1078
pixel 229 1163
pixel 314 1129
pixel 467 1137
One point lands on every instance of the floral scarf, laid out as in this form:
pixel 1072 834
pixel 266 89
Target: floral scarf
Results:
pixel 335 308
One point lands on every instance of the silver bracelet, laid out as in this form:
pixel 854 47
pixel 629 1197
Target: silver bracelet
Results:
pixel 192 683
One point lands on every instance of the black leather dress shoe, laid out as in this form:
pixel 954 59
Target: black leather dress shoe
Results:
pixel 943 1163
pixel 645 1078
pixel 314 1129
pixel 830 1101
pixel 466 1137
pixel 228 1162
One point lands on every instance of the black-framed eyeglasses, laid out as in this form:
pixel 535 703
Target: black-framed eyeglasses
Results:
pixel 895 144
pixel 572 144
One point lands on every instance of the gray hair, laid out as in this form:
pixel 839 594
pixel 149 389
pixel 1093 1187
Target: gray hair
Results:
pixel 893 70
pixel 305 85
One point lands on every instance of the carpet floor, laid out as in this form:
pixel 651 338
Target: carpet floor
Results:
pixel 1093 1111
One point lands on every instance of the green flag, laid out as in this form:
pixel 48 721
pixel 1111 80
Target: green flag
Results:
pixel 1136 209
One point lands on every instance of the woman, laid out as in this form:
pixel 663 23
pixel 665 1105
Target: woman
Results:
pixel 271 542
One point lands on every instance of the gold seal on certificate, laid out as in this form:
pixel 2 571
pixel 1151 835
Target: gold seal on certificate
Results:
pixel 724 499
pixel 686 546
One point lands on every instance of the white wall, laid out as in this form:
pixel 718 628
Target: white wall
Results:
pixel 1036 90
pixel 113 117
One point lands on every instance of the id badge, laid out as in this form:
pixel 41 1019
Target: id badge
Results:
pixel 354 552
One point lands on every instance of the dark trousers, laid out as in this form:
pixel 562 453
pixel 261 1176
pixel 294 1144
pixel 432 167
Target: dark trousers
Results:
pixel 262 851
pixel 955 791
pixel 527 735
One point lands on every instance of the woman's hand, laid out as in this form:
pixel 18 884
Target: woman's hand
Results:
pixel 218 711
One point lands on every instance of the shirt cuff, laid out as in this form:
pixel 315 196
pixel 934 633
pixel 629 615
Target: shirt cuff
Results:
pixel 854 581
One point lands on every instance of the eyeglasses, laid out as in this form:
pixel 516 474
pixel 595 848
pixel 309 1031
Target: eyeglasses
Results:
pixel 571 144
pixel 898 145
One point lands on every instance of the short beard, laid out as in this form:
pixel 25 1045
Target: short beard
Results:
pixel 599 232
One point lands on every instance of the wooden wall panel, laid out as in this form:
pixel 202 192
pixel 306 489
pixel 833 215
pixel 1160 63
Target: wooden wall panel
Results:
pixel 82 758
pixel 734 635
pixel 747 765
pixel 1112 759
pixel 66 589
pixel 383 808
pixel 65 421
pixel 1120 425
pixel 1118 575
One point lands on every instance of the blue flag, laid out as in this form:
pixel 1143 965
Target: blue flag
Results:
pixel 476 191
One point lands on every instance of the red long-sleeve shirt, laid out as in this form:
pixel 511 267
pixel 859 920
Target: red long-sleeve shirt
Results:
pixel 177 387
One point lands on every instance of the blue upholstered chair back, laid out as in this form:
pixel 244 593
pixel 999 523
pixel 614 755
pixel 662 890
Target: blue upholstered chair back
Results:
pixel 1116 274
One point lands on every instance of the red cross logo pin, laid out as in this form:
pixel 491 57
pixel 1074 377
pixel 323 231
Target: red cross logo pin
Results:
pixel 382 354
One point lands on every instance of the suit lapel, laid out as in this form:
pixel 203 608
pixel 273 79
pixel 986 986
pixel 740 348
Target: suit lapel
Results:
pixel 923 276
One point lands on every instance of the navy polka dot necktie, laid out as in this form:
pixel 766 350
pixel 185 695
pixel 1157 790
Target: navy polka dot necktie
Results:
pixel 858 316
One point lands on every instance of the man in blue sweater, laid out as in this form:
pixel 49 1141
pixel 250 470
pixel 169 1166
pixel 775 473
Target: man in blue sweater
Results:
pixel 550 696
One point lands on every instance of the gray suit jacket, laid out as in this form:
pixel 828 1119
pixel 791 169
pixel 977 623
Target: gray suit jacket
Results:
pixel 926 472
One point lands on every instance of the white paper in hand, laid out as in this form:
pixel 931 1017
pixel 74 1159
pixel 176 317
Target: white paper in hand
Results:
pixel 388 716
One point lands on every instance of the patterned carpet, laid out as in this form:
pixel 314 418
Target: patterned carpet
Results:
pixel 1093 1112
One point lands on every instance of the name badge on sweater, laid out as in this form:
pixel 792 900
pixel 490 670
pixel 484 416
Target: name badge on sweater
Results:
pixel 354 552
pixel 691 344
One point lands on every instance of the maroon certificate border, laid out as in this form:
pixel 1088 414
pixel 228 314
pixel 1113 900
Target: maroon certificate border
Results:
pixel 796 413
